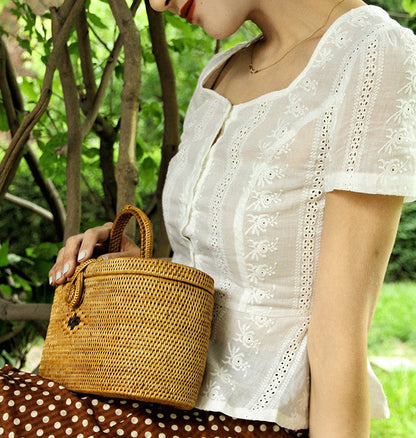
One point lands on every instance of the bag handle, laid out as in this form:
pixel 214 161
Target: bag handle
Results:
pixel 145 227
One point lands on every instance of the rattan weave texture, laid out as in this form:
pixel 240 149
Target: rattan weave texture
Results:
pixel 131 327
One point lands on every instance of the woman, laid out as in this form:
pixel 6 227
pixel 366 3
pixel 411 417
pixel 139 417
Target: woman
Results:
pixel 298 150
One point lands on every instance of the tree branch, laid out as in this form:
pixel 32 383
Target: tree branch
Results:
pixel 24 312
pixel 42 212
pixel 9 164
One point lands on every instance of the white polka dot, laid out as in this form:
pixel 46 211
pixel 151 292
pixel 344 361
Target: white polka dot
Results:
pixel 39 402
pixel 160 415
pixel 101 419
pixel 94 402
pixel 39 382
pixel 11 435
pixel 78 405
pixel 6 388
pixel 51 407
pixel 90 411
pixel 148 435
pixel 39 432
pixel 22 409
pixel 162 435
pixel 276 428
pixel 211 418
pixel 106 407
pixel 96 429
pixel 57 397
pixel 120 432
pixel 201 428
pixel 237 429
pixel 80 435
pixel 263 427
pixel 186 417
pixel 214 427
pixel 11 403
pixel 250 428
pixel 45 419
pixel 148 421
pixel 74 418
pixel 161 425
pixel 222 418
pixel 28 427
pixel 227 429
pixel 16 421
pixel 57 425
pixel 34 388
pixel 118 412
pixel 45 393
pixel 135 420
pixel 34 414
pixel 5 416
pixel 85 423
pixel 17 392
pixel 174 427
pixel 68 402
pixel 135 405
pixel 1 398
pixel 63 413
pixel 134 434
pixel 113 423
pixel 50 384
pixel 173 416
pixel 28 397
pixel 188 428
pixel 68 431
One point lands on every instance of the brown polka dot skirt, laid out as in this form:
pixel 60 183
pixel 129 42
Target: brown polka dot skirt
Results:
pixel 31 406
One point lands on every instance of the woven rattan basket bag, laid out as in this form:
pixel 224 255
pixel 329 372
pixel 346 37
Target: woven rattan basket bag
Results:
pixel 131 327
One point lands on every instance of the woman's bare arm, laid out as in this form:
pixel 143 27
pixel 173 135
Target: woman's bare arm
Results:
pixel 358 235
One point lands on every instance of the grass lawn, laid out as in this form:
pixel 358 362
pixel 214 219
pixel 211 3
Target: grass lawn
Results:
pixel 393 334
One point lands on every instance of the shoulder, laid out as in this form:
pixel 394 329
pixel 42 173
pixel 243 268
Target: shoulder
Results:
pixel 375 30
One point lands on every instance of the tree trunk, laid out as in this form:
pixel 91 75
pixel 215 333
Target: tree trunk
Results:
pixel 73 119
pixel 126 169
pixel 171 117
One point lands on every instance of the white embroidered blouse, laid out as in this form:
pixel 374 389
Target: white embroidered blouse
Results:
pixel 246 206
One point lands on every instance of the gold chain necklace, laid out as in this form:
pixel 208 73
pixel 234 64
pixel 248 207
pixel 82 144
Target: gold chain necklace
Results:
pixel 257 70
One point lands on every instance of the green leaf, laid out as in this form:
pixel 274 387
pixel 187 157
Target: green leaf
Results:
pixel 96 21
pixel 409 6
pixel 4 251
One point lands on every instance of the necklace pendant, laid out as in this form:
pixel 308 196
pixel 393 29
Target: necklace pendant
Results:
pixel 252 69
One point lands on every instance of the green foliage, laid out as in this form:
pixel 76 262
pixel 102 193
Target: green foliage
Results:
pixel 402 264
pixel 409 6
pixel 393 334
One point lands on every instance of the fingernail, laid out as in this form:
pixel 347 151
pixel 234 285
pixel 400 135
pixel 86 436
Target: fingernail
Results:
pixel 50 279
pixel 66 268
pixel 58 275
pixel 81 255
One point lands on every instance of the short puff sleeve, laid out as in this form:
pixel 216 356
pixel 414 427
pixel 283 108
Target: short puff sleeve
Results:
pixel 373 146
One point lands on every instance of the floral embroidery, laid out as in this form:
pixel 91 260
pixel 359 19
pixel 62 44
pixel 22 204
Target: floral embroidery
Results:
pixel 257 296
pixel 236 359
pixel 260 223
pixel 264 200
pixel 258 273
pixel 261 249
pixel 246 337
pixel 296 107
pixel 213 391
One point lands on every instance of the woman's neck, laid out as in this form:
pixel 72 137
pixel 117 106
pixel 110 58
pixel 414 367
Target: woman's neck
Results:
pixel 285 23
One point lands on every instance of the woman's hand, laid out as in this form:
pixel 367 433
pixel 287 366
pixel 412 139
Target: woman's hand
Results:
pixel 80 247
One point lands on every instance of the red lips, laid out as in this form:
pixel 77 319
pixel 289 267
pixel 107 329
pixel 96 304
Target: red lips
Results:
pixel 187 10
